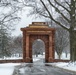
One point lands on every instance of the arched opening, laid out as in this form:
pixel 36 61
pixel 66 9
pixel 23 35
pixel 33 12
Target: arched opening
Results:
pixel 38 50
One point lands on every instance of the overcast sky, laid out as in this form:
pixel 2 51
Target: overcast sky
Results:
pixel 25 21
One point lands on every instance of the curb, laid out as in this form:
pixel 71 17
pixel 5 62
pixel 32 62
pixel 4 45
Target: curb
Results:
pixel 74 72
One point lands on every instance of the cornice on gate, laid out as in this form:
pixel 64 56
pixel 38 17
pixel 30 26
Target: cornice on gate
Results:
pixel 38 26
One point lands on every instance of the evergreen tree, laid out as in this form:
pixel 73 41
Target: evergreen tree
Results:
pixel 4 43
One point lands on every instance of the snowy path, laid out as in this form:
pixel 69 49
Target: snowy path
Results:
pixel 39 68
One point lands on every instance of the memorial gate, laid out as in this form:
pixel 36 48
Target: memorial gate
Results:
pixel 38 30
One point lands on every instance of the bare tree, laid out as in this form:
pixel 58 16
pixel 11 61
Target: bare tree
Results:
pixel 16 45
pixel 61 8
pixel 61 40
pixel 8 19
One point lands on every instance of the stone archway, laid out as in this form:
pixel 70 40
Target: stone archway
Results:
pixel 44 38
pixel 38 30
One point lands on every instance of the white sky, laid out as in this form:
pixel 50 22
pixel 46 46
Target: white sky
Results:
pixel 25 21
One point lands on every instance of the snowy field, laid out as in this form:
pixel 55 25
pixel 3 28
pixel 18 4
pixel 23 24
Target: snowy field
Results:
pixel 8 68
pixel 68 66
pixel 63 56
pixel 11 58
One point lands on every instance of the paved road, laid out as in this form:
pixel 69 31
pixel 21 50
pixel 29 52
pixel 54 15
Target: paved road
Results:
pixel 39 68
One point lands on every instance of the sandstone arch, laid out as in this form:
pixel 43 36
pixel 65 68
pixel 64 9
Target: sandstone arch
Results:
pixel 38 30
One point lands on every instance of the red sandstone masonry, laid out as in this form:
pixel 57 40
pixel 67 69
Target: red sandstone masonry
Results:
pixel 22 61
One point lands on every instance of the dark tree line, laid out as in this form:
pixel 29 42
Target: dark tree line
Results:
pixel 16 45
pixel 10 46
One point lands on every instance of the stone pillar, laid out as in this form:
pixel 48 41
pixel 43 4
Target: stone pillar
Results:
pixel 53 44
pixel 46 51
pixel 24 46
pixel 50 48
pixel 27 49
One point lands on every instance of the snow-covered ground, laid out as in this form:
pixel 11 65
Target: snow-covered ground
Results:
pixel 63 56
pixel 11 58
pixel 8 68
pixel 68 66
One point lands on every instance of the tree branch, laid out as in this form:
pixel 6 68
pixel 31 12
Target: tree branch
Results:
pixel 62 6
pixel 14 18
pixel 67 3
pixel 59 11
pixel 8 15
pixel 52 17
pixel 40 13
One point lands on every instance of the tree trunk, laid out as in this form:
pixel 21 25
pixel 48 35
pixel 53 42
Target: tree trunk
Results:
pixel 74 50
pixel 72 32
pixel 36 55
pixel 59 56
pixel 66 54
pixel 72 45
